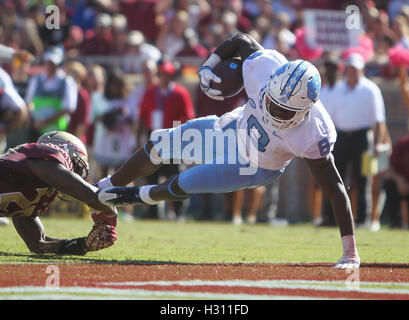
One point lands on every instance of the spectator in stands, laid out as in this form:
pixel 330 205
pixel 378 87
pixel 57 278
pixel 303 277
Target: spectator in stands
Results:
pixel 119 34
pixel 138 53
pixel 395 7
pixel 82 13
pixel 95 85
pixel 258 8
pixel 99 40
pixel 53 94
pixel 329 78
pixel 80 119
pixel 279 32
pixel 196 9
pixel 25 36
pixel 142 15
pixel 229 21
pixel 72 45
pixel 170 39
pixel 192 46
pixel 357 111
pixel 114 139
pixel 161 105
pixel 404 84
pixel 213 17
pixel 401 28
pixel 397 184
pixel 150 78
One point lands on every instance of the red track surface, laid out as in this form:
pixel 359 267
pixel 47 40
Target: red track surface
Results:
pixel 98 275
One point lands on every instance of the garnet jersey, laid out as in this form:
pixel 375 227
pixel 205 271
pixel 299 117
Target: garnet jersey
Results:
pixel 21 192
pixel 273 148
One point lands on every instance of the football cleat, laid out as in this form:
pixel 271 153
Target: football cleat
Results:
pixel 120 196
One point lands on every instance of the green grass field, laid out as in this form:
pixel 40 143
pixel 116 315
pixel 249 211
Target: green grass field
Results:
pixel 215 242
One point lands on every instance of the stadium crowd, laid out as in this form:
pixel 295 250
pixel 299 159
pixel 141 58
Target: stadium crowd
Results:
pixel 114 70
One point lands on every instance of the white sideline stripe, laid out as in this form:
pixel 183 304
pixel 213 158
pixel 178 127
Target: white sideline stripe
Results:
pixel 79 293
pixel 340 286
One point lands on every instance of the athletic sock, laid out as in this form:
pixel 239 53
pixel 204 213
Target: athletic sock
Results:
pixel 144 194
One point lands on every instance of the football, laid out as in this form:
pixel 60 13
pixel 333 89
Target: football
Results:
pixel 230 71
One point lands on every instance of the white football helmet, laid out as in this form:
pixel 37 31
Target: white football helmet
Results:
pixel 295 87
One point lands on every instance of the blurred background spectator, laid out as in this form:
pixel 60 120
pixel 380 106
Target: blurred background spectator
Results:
pixel 137 52
pixel 53 95
pixel 80 119
pixel 114 138
pixel 358 111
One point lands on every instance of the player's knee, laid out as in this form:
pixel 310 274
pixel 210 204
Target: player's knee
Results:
pixel 175 190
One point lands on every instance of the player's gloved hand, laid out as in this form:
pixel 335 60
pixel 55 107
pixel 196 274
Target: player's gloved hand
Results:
pixel 100 217
pixel 205 76
pixel 104 183
pixel 345 262
pixel 101 236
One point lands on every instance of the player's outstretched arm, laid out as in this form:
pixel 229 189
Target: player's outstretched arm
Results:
pixel 327 175
pixel 32 232
pixel 69 183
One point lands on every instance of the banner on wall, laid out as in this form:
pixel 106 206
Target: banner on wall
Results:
pixel 332 29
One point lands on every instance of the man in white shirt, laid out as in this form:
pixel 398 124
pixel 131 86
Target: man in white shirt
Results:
pixel 357 110
pixel 282 119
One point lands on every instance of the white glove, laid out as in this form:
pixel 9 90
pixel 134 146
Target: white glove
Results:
pixel 104 183
pixel 205 76
pixel 348 263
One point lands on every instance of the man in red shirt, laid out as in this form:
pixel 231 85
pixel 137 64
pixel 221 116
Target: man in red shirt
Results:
pixel 99 41
pixel 165 102
pixel 397 187
pixel 162 105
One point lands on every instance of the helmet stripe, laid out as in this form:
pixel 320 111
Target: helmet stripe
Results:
pixel 295 76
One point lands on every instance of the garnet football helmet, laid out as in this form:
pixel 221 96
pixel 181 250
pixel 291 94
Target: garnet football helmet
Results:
pixel 73 146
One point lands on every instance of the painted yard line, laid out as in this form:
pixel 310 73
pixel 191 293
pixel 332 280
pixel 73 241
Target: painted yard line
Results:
pixel 268 284
pixel 102 293
pixel 255 282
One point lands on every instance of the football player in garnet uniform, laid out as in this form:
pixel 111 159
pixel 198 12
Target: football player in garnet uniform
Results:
pixel 33 174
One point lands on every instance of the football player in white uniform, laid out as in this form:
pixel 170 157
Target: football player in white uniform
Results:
pixel 282 119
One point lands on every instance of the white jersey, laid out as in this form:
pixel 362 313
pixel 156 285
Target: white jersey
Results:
pixel 314 138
